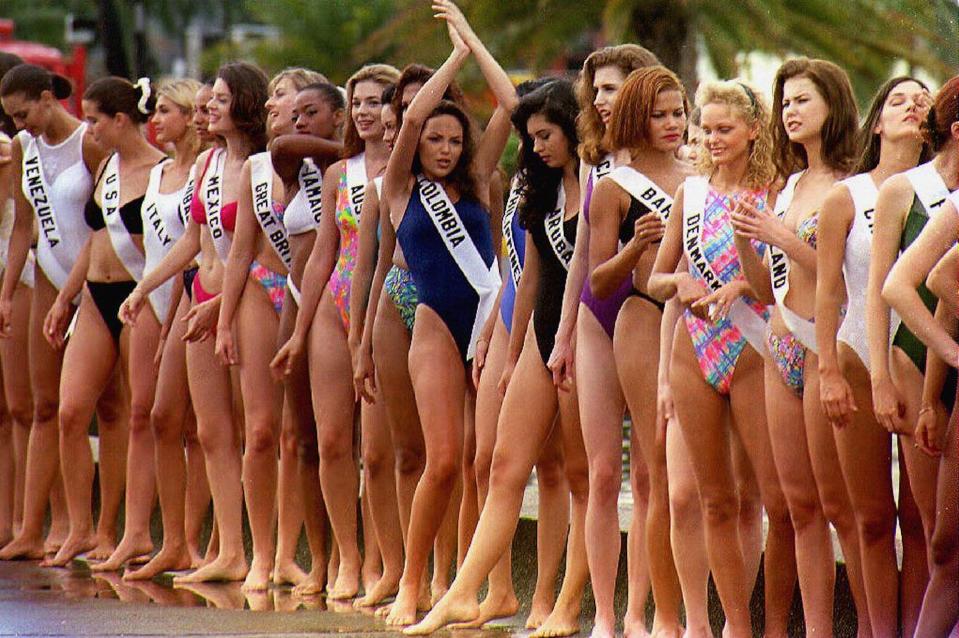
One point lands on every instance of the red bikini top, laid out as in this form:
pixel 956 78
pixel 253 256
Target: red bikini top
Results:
pixel 198 210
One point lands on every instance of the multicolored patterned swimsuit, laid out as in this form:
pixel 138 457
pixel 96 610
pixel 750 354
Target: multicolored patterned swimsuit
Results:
pixel 788 352
pixel 719 344
pixel 401 290
pixel 348 223
pixel 273 283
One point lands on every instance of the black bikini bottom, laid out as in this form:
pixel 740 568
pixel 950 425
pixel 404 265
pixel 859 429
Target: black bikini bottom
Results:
pixel 108 297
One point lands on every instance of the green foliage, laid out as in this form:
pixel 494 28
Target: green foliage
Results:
pixel 44 20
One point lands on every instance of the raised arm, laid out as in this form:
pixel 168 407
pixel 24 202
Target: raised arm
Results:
pixel 404 150
pixel 289 151
pixel 900 288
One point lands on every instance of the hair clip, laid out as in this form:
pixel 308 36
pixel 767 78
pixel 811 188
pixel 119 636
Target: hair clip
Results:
pixel 145 92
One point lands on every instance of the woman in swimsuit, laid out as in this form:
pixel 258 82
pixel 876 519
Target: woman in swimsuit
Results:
pixel 717 359
pixel 813 128
pixel 600 397
pixel 16 398
pixel 933 435
pixel 260 253
pixel 55 141
pixel 904 205
pixel 548 188
pixel 451 257
pixel 323 320
pixel 238 115
pixel 890 142
pixel 170 191
pixel 300 160
pixel 629 208
pixel 111 262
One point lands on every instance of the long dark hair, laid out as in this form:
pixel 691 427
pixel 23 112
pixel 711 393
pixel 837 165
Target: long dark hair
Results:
pixel 943 114
pixel 539 183
pixel 247 84
pixel 461 177
pixel 7 62
pixel 838 134
pixel 869 143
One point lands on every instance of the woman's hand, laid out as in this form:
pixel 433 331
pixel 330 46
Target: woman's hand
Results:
pixel 56 322
pixel 131 307
pixel 647 230
pixel 888 406
pixel 836 397
pixel 665 409
pixel 508 368
pixel 759 225
pixel 6 318
pixel 201 320
pixel 456 24
pixel 929 432
pixel 689 290
pixel 289 353
pixel 561 361
pixel 225 347
pixel 364 375
pixel 479 360
pixel 715 306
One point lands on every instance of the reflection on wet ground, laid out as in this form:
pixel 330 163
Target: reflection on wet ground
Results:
pixel 38 601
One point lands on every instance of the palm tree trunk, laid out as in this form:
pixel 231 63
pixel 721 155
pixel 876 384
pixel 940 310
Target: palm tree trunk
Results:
pixel 667 29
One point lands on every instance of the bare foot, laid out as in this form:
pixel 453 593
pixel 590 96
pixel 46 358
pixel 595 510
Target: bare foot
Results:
pixel 562 621
pixel 6 538
pixel 403 609
pixel 660 630
pixel 168 559
pixel 196 558
pixel 538 613
pixel 314 584
pixel 602 632
pixel 437 591
pixel 446 611
pixel 104 548
pixel 493 606
pixel 634 627
pixel 23 548
pixel 385 587
pixel 347 584
pixel 127 549
pixel 258 577
pixel 288 573
pixel 223 569
pixel 71 548
pixel 55 537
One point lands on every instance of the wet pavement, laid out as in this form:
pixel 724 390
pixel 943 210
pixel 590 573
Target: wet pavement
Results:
pixel 35 601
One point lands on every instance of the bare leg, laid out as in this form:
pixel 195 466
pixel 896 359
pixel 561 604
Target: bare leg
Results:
pixel 468 510
pixel 333 404
pixel 138 348
pixel 113 415
pixel 289 508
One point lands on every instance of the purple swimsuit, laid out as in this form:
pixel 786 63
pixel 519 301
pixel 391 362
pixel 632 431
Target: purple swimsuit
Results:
pixel 605 310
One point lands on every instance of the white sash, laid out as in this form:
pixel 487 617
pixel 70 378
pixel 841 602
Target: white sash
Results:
pixel 261 184
pixel 184 208
pixel 802 328
pixel 602 169
pixel 37 193
pixel 928 186
pixel 864 193
pixel 311 185
pixel 483 279
pixel 293 290
pixel 509 213
pixel 159 239
pixel 643 189
pixel 213 193
pixel 356 182
pixel 378 185
pixel 751 325
pixel 554 230
pixel 127 251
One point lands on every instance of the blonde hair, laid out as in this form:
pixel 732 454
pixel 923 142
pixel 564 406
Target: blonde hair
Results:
pixel 182 92
pixel 751 107
pixel 383 74
pixel 626 57
pixel 300 78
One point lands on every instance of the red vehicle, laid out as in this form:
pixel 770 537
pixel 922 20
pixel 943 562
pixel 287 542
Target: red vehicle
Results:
pixel 73 68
